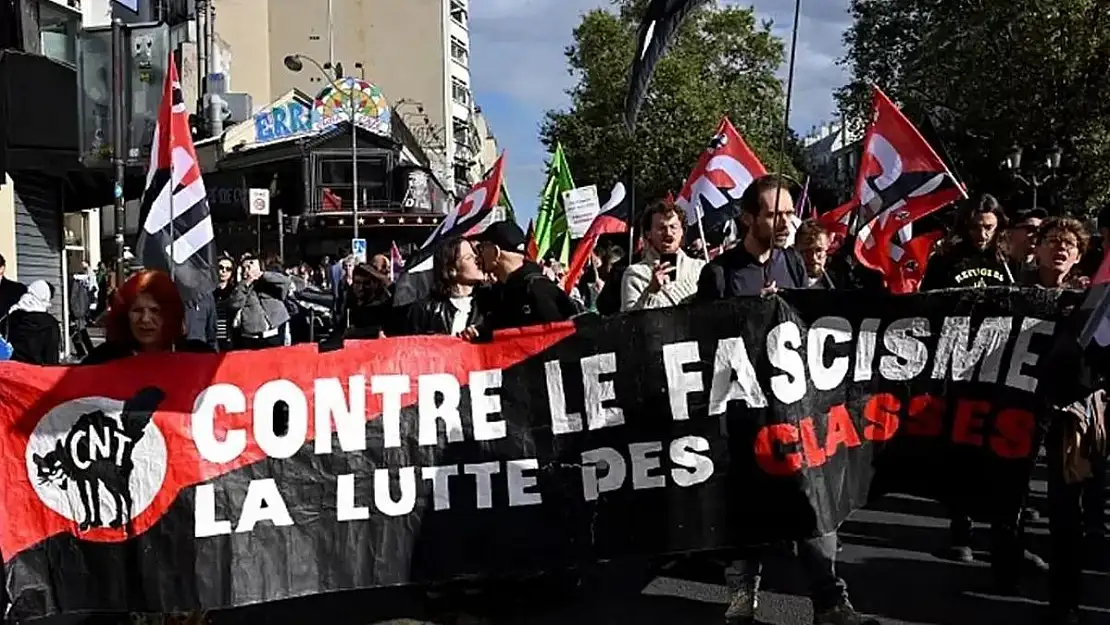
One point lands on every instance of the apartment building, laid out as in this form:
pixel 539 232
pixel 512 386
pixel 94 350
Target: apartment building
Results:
pixel 831 155
pixel 416 51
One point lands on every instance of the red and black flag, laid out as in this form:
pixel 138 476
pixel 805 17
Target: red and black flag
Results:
pixel 177 235
pixel 908 262
pixel 901 179
pixel 532 250
pixel 613 219
pixel 414 283
pixel 658 28
pixel 723 171
pixel 1097 328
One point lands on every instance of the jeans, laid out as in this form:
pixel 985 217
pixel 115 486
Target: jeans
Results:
pixel 818 560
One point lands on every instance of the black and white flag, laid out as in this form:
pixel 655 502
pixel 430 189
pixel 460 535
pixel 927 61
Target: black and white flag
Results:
pixel 658 28
pixel 177 235
pixel 472 215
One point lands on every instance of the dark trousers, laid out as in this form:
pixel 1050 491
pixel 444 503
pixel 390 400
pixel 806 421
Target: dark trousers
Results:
pixel 1007 540
pixel 82 342
pixel 1075 512
pixel 817 557
pixel 1094 499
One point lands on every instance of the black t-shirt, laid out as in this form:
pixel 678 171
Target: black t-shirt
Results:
pixel 737 273
pixel 965 267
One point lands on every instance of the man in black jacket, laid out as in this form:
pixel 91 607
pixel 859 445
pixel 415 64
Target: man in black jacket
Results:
pixel 524 295
pixel 762 264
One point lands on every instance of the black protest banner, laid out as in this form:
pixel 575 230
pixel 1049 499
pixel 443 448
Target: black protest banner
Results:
pixel 161 484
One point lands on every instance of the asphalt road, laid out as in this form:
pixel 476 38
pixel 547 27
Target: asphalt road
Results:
pixel 888 561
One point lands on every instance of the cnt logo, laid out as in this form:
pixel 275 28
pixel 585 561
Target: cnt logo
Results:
pixel 99 462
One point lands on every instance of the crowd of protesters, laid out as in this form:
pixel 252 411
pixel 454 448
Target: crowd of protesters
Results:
pixel 488 282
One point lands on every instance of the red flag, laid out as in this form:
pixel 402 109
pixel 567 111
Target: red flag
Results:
pixel 901 179
pixel 613 219
pixel 532 250
pixel 836 222
pixel 721 175
pixel 909 269
pixel 332 201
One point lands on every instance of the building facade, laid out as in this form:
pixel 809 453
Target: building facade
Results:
pixel 831 155
pixel 484 144
pixel 48 219
pixel 416 51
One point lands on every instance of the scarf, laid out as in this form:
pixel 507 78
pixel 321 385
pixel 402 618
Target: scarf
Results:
pixel 36 299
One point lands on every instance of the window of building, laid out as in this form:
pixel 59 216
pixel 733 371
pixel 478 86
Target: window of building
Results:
pixel 458 13
pixel 335 192
pixel 458 52
pixel 460 92
pixel 58 32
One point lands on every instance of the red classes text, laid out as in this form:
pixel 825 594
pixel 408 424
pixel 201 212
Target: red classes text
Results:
pixel 787 448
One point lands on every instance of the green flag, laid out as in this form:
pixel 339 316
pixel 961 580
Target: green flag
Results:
pixel 505 204
pixel 552 233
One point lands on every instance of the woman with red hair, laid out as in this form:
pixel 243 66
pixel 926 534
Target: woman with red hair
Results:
pixel 145 316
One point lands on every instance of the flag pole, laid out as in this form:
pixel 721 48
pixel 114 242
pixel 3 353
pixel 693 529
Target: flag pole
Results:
pixel 786 117
pixel 117 147
pixel 704 241
pixel 172 184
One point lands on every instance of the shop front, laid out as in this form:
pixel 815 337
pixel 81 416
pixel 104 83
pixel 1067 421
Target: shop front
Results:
pixel 317 168
pixel 48 200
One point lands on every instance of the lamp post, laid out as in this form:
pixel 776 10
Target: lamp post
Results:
pixel 1051 163
pixel 295 63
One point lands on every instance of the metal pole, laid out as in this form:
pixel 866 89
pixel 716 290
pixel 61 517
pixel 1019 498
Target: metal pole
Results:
pixel 331 36
pixel 281 233
pixel 118 149
pixel 354 155
pixel 202 53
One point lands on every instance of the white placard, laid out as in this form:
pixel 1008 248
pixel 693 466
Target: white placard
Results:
pixel 259 202
pixel 582 207
pixel 358 250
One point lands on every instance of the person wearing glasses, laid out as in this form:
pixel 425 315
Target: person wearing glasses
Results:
pixel 225 286
pixel 1020 240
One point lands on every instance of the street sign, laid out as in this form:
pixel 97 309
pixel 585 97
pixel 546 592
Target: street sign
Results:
pixel 358 249
pixel 260 202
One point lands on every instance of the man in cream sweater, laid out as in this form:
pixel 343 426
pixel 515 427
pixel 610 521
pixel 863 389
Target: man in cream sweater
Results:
pixel 666 276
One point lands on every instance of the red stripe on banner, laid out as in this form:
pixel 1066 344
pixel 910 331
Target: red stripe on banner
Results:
pixel 29 394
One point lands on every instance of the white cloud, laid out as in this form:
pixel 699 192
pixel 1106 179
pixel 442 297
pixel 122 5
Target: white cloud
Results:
pixel 519 69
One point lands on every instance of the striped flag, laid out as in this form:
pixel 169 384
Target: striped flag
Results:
pixel 1097 328
pixel 177 235
pixel 415 281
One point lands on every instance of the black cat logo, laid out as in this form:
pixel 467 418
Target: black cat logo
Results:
pixel 97 451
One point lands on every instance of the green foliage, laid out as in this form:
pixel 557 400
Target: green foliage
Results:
pixel 721 63
pixel 993 75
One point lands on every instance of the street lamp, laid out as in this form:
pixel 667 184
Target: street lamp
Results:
pixel 1050 163
pixel 295 63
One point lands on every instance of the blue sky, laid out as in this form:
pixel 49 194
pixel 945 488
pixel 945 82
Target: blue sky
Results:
pixel 518 71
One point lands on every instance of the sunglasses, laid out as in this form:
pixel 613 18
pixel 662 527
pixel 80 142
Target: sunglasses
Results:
pixel 225 267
